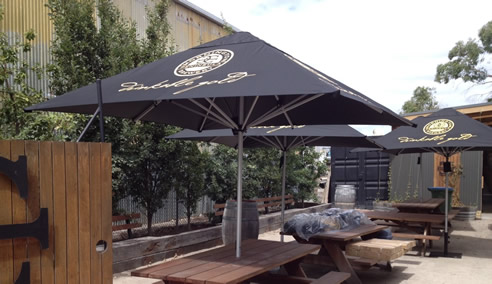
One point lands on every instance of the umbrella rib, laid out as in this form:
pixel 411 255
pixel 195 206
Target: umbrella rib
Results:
pixel 226 117
pixel 288 107
pixel 199 113
pixel 206 117
pixel 285 113
pixel 279 146
pixel 146 111
pixel 251 110
pixel 275 109
pixel 292 145
pixel 282 145
pixel 312 140
pixel 262 142
pixel 225 121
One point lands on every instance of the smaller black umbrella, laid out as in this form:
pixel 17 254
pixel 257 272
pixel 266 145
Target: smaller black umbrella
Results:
pixel 445 132
pixel 283 138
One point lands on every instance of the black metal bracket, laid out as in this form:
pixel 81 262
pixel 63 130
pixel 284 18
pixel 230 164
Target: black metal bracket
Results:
pixel 37 229
pixel 25 274
pixel 17 172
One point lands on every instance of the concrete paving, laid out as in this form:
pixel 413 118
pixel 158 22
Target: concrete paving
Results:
pixel 471 238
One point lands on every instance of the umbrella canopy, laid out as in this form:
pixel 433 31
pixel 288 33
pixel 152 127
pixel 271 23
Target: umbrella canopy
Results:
pixel 283 138
pixel 233 82
pixel 445 132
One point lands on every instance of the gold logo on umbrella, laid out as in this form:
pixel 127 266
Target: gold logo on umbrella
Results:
pixel 204 62
pixel 438 126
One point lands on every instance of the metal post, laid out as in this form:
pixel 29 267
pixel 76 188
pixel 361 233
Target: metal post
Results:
pixel 239 192
pixel 284 167
pixel 446 236
pixel 100 102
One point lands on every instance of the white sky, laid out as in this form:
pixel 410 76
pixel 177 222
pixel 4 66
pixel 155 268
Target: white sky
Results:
pixel 384 49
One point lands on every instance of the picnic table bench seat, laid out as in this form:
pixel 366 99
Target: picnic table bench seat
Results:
pixel 332 277
pixel 379 249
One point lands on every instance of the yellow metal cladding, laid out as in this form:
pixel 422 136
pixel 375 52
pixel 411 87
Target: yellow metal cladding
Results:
pixel 189 28
pixel 21 16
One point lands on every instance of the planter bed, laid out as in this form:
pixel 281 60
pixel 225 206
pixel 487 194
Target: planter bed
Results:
pixel 133 253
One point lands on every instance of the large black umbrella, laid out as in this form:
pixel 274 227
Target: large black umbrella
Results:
pixel 235 82
pixel 283 138
pixel 445 132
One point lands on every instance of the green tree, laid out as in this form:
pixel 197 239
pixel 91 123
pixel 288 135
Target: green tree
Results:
pixel 83 51
pixel 149 165
pixel 16 94
pixel 190 178
pixel 262 173
pixel 221 177
pixel 423 99
pixel 303 172
pixel 467 60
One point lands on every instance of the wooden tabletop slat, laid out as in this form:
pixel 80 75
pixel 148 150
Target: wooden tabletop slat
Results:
pixel 221 251
pixel 243 261
pixel 263 265
pixel 258 256
pixel 432 203
pixel 196 262
pixel 405 217
pixel 351 234
pixel 145 272
pixel 182 275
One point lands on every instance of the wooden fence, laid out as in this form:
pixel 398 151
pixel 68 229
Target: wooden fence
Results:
pixel 73 181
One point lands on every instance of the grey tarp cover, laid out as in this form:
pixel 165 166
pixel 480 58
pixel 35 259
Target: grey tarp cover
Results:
pixel 306 225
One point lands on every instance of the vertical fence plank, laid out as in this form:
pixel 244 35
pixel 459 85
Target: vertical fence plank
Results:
pixel 34 247
pixel 19 212
pixel 6 246
pixel 46 201
pixel 59 211
pixel 95 201
pixel 72 213
pixel 85 211
pixel 106 216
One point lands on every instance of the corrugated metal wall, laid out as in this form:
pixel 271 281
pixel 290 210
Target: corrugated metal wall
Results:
pixel 405 176
pixel 471 179
pixel 20 16
pixel 409 179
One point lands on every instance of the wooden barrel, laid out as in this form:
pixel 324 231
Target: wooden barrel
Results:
pixel 345 196
pixel 250 224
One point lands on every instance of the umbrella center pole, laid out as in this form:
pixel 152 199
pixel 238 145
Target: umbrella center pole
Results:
pixel 282 215
pixel 446 209
pixel 239 192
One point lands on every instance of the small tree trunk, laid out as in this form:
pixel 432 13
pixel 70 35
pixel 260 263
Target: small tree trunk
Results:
pixel 149 222
pixel 177 210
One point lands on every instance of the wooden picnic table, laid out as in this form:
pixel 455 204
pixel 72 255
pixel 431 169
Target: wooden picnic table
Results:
pixel 420 223
pixel 220 265
pixel 427 206
pixel 333 244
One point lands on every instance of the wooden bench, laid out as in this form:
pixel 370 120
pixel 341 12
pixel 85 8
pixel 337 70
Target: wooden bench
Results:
pixel 420 238
pixel 128 224
pixel 262 203
pixel 332 277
